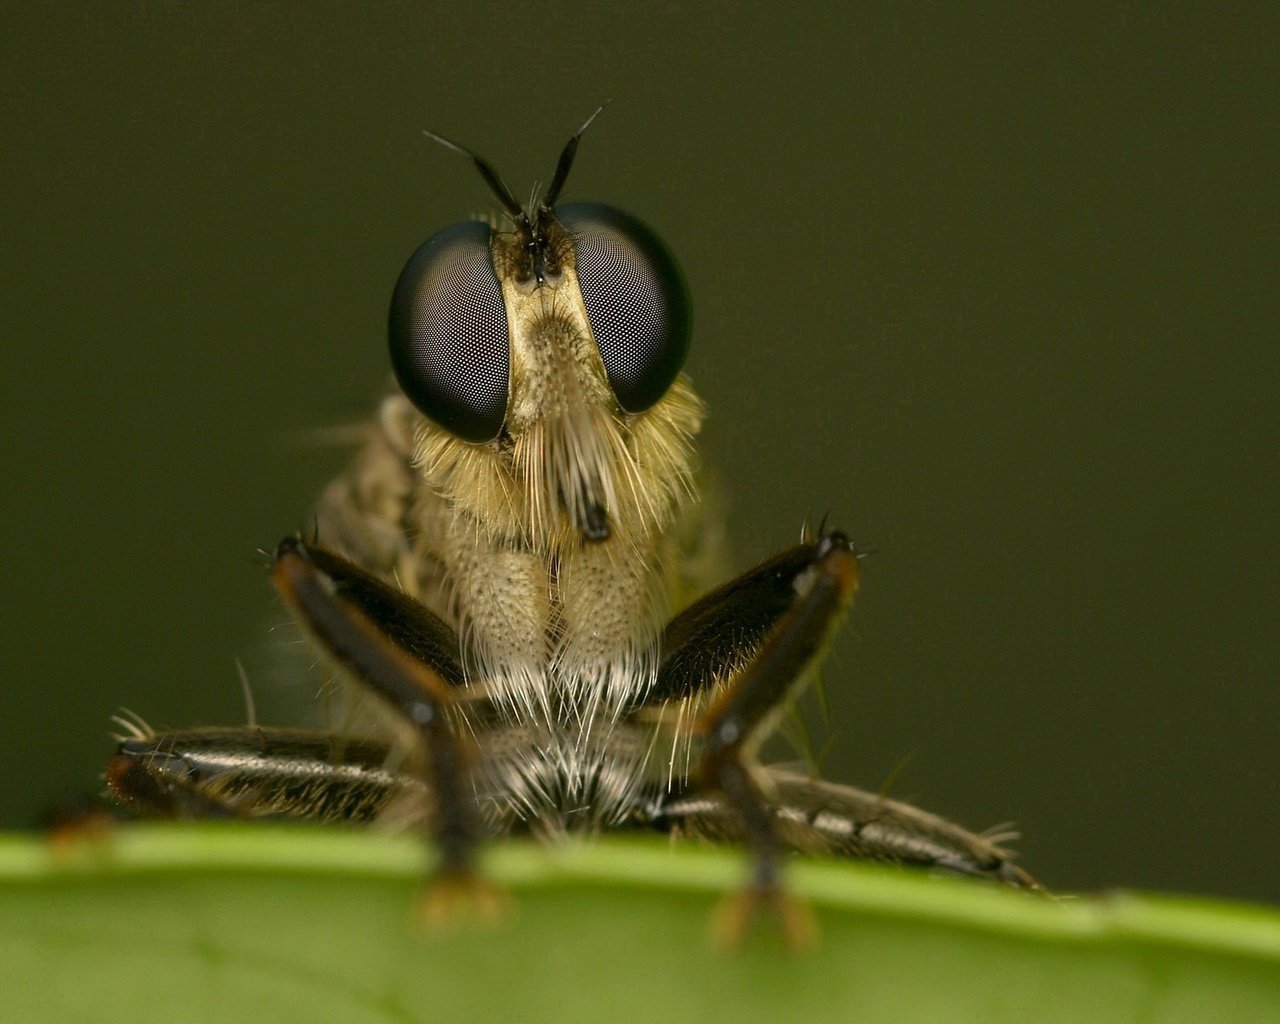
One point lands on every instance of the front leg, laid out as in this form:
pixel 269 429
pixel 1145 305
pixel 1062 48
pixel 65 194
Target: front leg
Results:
pixel 395 648
pixel 757 637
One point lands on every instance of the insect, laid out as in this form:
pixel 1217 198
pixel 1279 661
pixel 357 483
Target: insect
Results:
pixel 506 566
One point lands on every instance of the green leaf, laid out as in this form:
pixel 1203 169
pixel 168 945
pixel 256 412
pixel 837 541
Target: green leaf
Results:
pixel 246 924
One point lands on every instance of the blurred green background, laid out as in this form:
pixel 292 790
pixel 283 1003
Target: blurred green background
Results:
pixel 991 287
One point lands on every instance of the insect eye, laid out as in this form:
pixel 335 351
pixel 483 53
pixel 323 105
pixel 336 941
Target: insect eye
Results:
pixel 636 301
pixel 448 331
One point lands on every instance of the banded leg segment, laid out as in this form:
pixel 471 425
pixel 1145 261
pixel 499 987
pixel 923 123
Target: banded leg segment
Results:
pixel 823 818
pixel 252 772
pixel 394 648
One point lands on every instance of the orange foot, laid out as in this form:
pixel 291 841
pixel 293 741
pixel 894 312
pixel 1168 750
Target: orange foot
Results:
pixel 732 919
pixel 453 900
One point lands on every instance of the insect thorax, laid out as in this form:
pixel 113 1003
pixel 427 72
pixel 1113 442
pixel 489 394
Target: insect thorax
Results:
pixel 559 632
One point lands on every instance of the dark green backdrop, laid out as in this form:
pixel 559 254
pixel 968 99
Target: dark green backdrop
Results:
pixel 995 289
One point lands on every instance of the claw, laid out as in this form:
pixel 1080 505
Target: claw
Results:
pixel 732 919
pixel 456 900
pixel 79 831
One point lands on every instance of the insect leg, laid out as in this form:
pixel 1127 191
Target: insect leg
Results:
pixel 402 620
pixel 819 817
pixel 397 649
pixel 712 639
pixel 753 640
pixel 749 709
pixel 252 772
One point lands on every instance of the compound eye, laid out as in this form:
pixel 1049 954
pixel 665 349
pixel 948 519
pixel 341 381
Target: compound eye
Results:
pixel 636 300
pixel 450 348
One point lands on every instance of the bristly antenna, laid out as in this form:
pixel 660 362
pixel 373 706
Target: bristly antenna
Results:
pixel 499 188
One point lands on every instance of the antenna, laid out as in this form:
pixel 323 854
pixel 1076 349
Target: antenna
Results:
pixel 496 185
pixel 499 188
pixel 566 161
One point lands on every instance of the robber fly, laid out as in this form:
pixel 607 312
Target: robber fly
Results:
pixel 506 566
